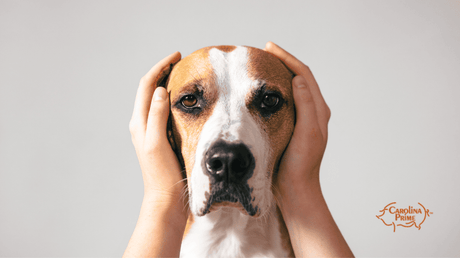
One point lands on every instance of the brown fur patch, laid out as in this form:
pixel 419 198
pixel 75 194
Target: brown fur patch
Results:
pixel 225 49
pixel 264 67
pixel 191 74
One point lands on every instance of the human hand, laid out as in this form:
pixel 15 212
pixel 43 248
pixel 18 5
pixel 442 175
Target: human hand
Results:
pixel 301 161
pixel 312 229
pixel 161 171
pixel 163 216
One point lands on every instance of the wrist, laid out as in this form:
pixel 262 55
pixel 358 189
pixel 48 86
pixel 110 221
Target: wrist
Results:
pixel 170 207
pixel 302 198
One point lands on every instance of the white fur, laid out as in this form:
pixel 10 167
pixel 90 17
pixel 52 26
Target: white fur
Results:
pixel 227 232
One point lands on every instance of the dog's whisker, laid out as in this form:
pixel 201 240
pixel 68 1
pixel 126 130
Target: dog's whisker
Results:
pixel 184 190
pixel 178 182
pixel 185 194
pixel 274 189
pixel 187 206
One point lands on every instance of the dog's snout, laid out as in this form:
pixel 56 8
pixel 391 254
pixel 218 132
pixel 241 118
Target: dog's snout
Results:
pixel 232 162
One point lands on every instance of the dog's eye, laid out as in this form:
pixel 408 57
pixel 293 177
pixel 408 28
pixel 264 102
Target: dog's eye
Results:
pixel 270 100
pixel 189 101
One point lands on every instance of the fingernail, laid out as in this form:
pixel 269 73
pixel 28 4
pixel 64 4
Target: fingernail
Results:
pixel 159 94
pixel 299 82
pixel 301 85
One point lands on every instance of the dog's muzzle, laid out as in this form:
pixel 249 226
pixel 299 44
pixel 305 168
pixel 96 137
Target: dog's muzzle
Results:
pixel 229 166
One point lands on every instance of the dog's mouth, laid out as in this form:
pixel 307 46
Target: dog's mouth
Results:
pixel 235 196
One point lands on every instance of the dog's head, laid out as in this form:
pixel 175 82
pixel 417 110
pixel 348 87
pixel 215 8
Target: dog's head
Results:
pixel 232 116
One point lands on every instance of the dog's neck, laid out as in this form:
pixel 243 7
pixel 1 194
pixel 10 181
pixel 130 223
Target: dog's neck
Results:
pixel 229 233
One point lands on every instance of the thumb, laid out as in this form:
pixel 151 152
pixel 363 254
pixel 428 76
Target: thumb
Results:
pixel 158 117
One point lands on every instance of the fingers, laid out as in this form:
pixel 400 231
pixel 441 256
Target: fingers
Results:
pixel 162 65
pixel 157 119
pixel 297 67
pixel 289 60
pixel 145 91
pixel 300 68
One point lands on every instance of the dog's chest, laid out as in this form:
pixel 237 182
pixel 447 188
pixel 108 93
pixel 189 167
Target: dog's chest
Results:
pixel 227 233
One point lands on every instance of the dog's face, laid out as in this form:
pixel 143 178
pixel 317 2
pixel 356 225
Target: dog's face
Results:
pixel 232 116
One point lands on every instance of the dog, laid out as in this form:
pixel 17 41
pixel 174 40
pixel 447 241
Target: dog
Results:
pixel 232 116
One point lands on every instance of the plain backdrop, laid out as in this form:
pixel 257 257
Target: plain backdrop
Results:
pixel 70 183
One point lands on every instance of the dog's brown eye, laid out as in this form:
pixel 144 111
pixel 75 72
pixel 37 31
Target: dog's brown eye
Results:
pixel 189 101
pixel 270 100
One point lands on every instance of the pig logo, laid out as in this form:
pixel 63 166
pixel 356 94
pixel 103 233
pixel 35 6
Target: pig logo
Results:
pixel 405 217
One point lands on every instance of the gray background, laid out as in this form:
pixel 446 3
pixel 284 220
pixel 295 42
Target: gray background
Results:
pixel 70 183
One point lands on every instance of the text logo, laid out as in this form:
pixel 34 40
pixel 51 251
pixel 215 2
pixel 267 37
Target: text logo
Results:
pixel 408 216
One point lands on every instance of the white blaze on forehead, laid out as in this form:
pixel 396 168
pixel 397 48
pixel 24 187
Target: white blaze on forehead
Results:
pixel 233 85
pixel 232 79
pixel 232 122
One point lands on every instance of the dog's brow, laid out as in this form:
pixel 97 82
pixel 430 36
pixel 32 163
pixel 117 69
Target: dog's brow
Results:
pixel 194 78
pixel 191 87
pixel 266 86
pixel 261 86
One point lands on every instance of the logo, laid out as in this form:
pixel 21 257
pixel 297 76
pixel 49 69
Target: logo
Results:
pixel 393 215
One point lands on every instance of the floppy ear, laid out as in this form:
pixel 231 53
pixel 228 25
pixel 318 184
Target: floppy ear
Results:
pixel 172 142
pixel 163 76
pixel 162 81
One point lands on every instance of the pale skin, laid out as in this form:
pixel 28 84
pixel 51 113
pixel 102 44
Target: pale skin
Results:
pixel 164 214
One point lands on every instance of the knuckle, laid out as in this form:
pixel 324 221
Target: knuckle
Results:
pixel 134 140
pixel 328 112
pixel 304 67
pixel 133 126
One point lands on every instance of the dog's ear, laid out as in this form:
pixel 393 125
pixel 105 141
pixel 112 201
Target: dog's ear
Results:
pixel 163 77
pixel 170 135
pixel 289 70
pixel 174 146
pixel 162 80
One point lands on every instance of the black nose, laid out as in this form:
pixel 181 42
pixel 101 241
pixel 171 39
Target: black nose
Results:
pixel 231 162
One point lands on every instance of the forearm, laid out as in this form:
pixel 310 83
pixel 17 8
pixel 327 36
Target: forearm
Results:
pixel 311 227
pixel 159 229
